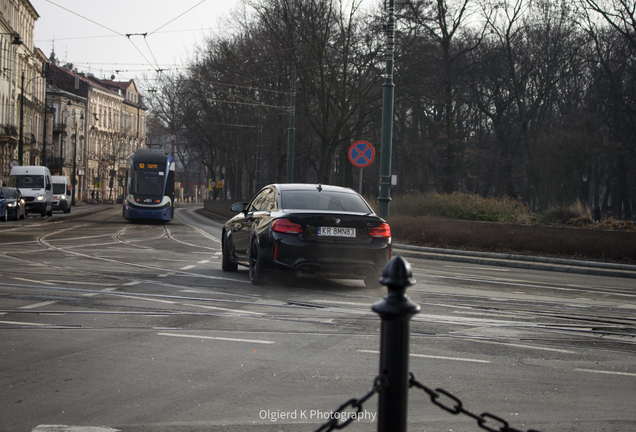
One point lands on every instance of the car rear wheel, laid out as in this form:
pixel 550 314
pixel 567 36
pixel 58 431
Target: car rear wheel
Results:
pixel 227 264
pixel 256 264
pixel 372 282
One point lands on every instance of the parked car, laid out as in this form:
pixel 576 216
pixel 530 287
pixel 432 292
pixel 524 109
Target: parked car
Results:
pixel 310 230
pixel 3 209
pixel 16 207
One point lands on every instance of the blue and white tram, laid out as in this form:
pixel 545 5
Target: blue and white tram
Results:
pixel 149 186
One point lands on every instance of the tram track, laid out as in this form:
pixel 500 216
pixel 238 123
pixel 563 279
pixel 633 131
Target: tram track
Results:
pixel 579 324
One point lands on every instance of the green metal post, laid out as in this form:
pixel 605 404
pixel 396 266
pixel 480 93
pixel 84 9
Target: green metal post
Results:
pixel 387 119
pixel 21 137
pixel 259 149
pixel 292 130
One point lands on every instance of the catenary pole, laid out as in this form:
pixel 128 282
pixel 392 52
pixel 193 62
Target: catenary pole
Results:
pixel 292 129
pixel 21 137
pixel 387 119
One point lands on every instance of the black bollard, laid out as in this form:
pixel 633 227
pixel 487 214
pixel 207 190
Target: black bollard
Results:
pixel 396 311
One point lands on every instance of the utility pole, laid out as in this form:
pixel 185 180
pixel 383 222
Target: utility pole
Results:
pixel 21 137
pixel 45 75
pixel 387 118
pixel 259 149
pixel 292 129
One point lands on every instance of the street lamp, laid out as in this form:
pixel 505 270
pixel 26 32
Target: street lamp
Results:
pixel 62 138
pixel 384 197
pixel 74 179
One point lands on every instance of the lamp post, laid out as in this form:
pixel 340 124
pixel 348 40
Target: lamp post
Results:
pixel 387 119
pixel 74 179
pixel 62 138
pixel 20 139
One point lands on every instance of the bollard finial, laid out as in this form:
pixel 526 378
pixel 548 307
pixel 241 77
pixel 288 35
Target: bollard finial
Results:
pixel 397 272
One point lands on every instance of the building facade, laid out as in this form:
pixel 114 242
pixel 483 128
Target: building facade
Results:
pixel 21 85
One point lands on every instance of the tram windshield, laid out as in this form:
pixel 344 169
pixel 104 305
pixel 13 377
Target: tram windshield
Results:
pixel 149 183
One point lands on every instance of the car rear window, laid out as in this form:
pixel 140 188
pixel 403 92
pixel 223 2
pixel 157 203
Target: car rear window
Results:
pixel 324 200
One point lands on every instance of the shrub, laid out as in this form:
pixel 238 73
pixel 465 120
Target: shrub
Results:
pixel 466 206
pixel 575 214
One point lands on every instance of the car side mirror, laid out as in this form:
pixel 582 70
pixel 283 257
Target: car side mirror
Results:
pixel 48 186
pixel 238 207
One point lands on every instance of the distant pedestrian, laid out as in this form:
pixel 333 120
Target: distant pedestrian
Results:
pixel 597 213
pixel 93 195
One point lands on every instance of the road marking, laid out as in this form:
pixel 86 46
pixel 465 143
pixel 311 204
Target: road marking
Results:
pixel 203 262
pixel 103 290
pixel 166 274
pixel 434 357
pixel 37 305
pixel 224 309
pixel 24 323
pixel 188 267
pixel 215 338
pixel 523 346
pixel 64 428
pixel 604 372
pixel 340 302
pixel 33 281
pixel 132 283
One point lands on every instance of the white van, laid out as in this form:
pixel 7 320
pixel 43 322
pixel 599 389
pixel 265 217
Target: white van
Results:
pixel 35 185
pixel 61 193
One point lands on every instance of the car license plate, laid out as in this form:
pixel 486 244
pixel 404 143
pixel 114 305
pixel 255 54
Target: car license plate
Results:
pixel 336 232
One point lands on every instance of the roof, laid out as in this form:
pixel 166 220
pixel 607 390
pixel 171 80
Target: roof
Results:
pixel 311 187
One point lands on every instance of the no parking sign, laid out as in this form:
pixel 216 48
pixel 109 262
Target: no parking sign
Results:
pixel 361 154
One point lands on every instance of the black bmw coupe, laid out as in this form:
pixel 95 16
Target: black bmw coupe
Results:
pixel 311 230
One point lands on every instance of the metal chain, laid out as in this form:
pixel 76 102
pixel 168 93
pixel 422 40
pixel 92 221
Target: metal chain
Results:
pixel 336 416
pixel 458 408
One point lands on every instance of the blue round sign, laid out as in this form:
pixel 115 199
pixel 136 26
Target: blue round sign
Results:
pixel 361 154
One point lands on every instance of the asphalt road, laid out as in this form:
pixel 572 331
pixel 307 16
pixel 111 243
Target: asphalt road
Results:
pixel 106 325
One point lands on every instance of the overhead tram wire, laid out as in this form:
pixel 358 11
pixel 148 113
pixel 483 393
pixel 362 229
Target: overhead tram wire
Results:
pixel 87 19
pixel 177 17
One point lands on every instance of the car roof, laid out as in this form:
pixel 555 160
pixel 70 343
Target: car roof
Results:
pixel 310 187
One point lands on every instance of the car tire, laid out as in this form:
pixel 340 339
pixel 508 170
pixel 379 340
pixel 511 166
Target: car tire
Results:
pixel 255 263
pixel 372 282
pixel 43 213
pixel 226 264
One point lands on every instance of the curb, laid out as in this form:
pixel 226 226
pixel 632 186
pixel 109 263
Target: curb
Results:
pixel 530 262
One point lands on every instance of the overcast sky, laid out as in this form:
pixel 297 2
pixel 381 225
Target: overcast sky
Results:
pixel 92 34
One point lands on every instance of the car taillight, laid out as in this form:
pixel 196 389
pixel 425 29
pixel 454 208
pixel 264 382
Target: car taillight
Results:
pixel 285 226
pixel 382 231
